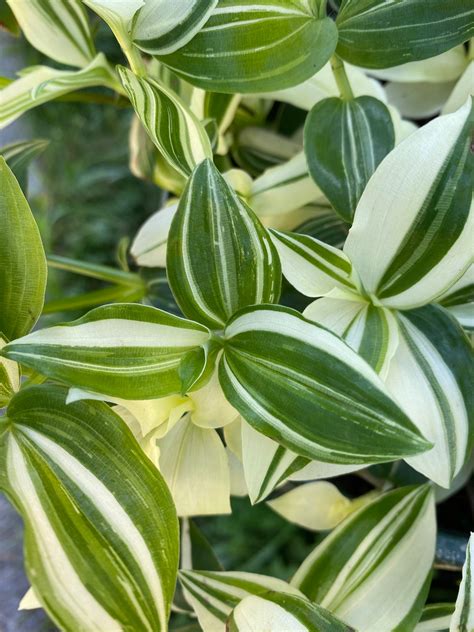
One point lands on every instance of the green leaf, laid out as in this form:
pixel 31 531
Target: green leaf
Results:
pixel 163 26
pixel 380 34
pixel 18 156
pixel 274 612
pixel 171 125
pixel 42 84
pixel 8 20
pixel 22 262
pixel 459 299
pixel 370 570
pixel 419 214
pixel 431 376
pixel 463 616
pixel 101 541
pixel 435 618
pixel 213 595
pixel 9 377
pixel 326 226
pixel 302 386
pixel 57 28
pixel 244 46
pixel 124 350
pixel 311 266
pixel 219 256
pixel 344 141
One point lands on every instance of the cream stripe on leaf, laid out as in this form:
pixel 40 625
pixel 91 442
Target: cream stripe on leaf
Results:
pixel 170 123
pixel 302 386
pixel 124 350
pixel 384 33
pixel 23 268
pixel 373 570
pixel 118 14
pixel 213 595
pixel 163 26
pixel 418 210
pixel 345 140
pixel 435 617
pixel 101 530
pixel 57 28
pixel 311 266
pixel 219 256
pixel 244 45
pixel 275 612
pixel 463 616
pixel 459 299
pixel 431 378
pixel 42 84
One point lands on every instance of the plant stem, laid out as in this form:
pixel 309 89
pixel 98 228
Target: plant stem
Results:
pixel 95 271
pixel 135 60
pixel 340 76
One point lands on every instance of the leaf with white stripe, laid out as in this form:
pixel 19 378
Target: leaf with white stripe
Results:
pixel 150 244
pixel 325 226
pixel 373 568
pixel 18 156
pixel 42 84
pixel 171 125
pixel 23 268
pixel 275 612
pixel 435 617
pixel 124 350
pixel 418 210
pixel 459 299
pixel 302 386
pixel 57 28
pixel 345 140
pixel 311 266
pixel 101 541
pixel 118 14
pixel 163 26
pixel 9 377
pixel 463 616
pixel 213 595
pixel 244 45
pixel 384 33
pixel 219 257
pixel 431 378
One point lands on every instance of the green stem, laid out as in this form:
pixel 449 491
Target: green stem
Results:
pixel 470 54
pixel 95 271
pixel 135 60
pixel 340 76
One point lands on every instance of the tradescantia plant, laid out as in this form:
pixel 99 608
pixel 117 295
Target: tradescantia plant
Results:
pixel 146 409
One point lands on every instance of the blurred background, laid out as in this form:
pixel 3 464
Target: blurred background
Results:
pixel 88 206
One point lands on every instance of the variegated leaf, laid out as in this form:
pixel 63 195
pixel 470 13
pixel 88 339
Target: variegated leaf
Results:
pixel 18 156
pixel 435 618
pixel 163 26
pixel 244 46
pixel 42 84
pixel 124 350
pixel 23 268
pixel 418 210
pixel 463 616
pixel 345 140
pixel 171 125
pixel 373 570
pixel 9 377
pixel 214 595
pixel 150 244
pixel 118 14
pixel 302 386
pixel 275 612
pixel 459 299
pixel 101 542
pixel 384 33
pixel 219 256
pixel 57 28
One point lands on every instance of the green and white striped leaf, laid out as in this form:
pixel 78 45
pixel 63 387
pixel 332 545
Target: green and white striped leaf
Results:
pixel 9 377
pixel 118 14
pixel 371 331
pixel 345 140
pixel 42 84
pixel 193 462
pixel 244 46
pixel 302 386
pixel 163 26
pixel 219 256
pixel 124 350
pixel 373 568
pixel 101 542
pixel 18 156
pixel 213 595
pixel 418 210
pixel 431 376
pixel 311 266
pixel 459 299
pixel 57 28
pixel 150 244
pixel 435 618
pixel 463 616
pixel 171 125
pixel 23 268
pixel 384 33
pixel 325 226
pixel 275 612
